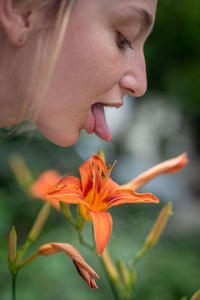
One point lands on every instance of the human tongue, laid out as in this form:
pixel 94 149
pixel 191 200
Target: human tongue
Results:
pixel 100 126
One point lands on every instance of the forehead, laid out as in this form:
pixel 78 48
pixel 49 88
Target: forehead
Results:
pixel 142 8
pixel 148 6
pixel 106 9
pixel 133 9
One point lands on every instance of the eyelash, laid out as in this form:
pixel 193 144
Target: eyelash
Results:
pixel 123 42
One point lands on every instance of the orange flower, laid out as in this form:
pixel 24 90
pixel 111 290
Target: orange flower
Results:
pixel 45 182
pixel 96 192
pixel 84 270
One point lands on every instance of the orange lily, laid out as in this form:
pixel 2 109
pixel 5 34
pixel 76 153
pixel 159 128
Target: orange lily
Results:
pixel 96 192
pixel 45 182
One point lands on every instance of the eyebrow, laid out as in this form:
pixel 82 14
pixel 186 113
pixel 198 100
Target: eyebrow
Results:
pixel 148 19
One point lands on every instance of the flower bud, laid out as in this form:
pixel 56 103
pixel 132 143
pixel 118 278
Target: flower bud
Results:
pixel 39 223
pixel 169 166
pixel 12 245
pixel 21 171
pixel 84 270
pixel 102 154
pixel 110 267
pixel 126 276
pixel 196 296
pixel 159 225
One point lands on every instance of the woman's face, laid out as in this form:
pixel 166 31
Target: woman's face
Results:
pixel 100 61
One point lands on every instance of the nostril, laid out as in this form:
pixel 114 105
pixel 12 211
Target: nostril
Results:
pixel 128 84
pixel 130 91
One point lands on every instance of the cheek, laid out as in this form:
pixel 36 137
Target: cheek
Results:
pixel 94 61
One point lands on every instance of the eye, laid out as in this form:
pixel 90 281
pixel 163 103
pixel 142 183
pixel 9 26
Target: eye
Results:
pixel 123 42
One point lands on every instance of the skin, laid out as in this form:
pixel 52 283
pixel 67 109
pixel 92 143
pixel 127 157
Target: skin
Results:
pixel 96 64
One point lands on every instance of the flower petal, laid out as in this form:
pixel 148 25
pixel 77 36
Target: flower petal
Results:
pixel 129 196
pixel 68 191
pixel 66 181
pixel 70 180
pixel 84 270
pixel 96 183
pixel 87 276
pixel 86 178
pixel 109 188
pixel 102 222
pixel 169 166
pixel 93 173
pixel 45 182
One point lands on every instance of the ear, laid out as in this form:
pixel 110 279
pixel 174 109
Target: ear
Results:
pixel 15 22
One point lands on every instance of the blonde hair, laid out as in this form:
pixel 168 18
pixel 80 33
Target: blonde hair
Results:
pixel 46 51
pixel 45 63
pixel 44 59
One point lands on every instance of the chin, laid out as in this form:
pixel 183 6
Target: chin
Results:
pixel 61 138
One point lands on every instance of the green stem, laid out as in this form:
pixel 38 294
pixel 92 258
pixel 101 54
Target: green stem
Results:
pixel 114 277
pixel 66 211
pixel 28 260
pixel 14 286
pixel 34 232
pixel 79 217
pixel 82 225
pixel 141 253
pixel 22 251
pixel 84 243
pixel 112 286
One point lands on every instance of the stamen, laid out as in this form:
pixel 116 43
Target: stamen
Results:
pixel 93 175
pixel 110 168
pixel 106 177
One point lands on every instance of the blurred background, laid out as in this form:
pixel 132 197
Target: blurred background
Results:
pixel 160 125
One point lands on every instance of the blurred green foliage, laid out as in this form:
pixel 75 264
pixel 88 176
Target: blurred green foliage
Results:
pixel 173 57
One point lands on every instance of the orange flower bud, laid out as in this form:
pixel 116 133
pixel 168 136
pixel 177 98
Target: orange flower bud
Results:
pixel 84 270
pixel 169 166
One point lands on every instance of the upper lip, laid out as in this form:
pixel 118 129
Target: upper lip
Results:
pixel 116 104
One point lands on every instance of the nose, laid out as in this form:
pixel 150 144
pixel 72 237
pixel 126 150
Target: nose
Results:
pixel 134 79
